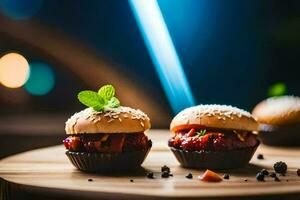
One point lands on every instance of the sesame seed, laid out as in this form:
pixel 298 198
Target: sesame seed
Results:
pixel 110 120
pixel 106 114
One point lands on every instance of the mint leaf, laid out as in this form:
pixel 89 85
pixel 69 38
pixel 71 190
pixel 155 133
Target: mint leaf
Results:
pixel 101 100
pixel 91 99
pixel 113 102
pixel 107 92
pixel 201 133
pixel 99 107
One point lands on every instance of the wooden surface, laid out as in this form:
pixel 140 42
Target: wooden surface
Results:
pixel 48 172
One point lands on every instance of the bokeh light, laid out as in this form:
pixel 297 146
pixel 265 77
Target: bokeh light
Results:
pixel 14 70
pixel 41 80
pixel 278 89
pixel 20 9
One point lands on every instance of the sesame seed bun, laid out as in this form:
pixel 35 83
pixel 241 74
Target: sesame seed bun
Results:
pixel 115 120
pixel 214 116
pixel 283 110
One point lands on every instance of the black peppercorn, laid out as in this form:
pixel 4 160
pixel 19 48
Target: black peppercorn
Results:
pixel 150 175
pixel 226 176
pixel 245 180
pixel 260 177
pixel 298 172
pixel 165 168
pixel 280 167
pixel 90 180
pixel 165 174
pixel 131 180
pixel 260 156
pixel 189 175
pixel 264 172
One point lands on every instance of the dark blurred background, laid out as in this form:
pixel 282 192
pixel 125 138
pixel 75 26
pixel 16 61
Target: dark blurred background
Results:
pixel 233 52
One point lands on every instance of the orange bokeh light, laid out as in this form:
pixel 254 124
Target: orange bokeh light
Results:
pixel 14 70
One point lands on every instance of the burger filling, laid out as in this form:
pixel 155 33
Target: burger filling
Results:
pixel 107 143
pixel 212 139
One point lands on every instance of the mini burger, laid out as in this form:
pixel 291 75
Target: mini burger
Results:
pixel 279 119
pixel 213 137
pixel 106 136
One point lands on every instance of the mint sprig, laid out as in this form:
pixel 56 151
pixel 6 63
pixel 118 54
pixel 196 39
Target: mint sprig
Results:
pixel 113 102
pixel 201 133
pixel 105 98
pixel 107 92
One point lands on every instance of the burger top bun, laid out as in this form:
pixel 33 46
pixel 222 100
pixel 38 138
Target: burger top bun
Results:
pixel 214 116
pixel 282 110
pixel 113 120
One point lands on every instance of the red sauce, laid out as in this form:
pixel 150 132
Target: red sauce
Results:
pixel 211 140
pixel 101 143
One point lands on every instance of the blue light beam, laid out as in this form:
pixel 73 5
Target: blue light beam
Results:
pixel 163 53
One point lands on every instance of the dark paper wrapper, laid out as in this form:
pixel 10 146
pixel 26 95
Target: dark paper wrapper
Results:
pixel 108 162
pixel 214 159
pixel 288 135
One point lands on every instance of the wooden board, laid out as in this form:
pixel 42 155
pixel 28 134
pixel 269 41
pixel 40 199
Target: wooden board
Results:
pixel 48 171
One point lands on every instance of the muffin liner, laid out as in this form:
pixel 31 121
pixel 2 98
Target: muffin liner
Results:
pixel 108 162
pixel 214 159
pixel 280 135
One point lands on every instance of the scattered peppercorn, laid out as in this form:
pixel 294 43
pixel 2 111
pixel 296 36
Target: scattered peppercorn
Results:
pixel 226 176
pixel 90 180
pixel 245 180
pixel 276 179
pixel 171 174
pixel 264 172
pixel 260 177
pixel 273 174
pixel 165 168
pixel 280 167
pixel 150 175
pixel 131 180
pixel 298 172
pixel 165 174
pixel 189 176
pixel 260 156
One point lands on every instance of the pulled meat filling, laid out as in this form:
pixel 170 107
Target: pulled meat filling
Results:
pixel 107 143
pixel 213 140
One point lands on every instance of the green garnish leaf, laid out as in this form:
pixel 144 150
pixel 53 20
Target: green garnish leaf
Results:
pixel 98 101
pixel 91 99
pixel 201 133
pixel 113 102
pixel 107 92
